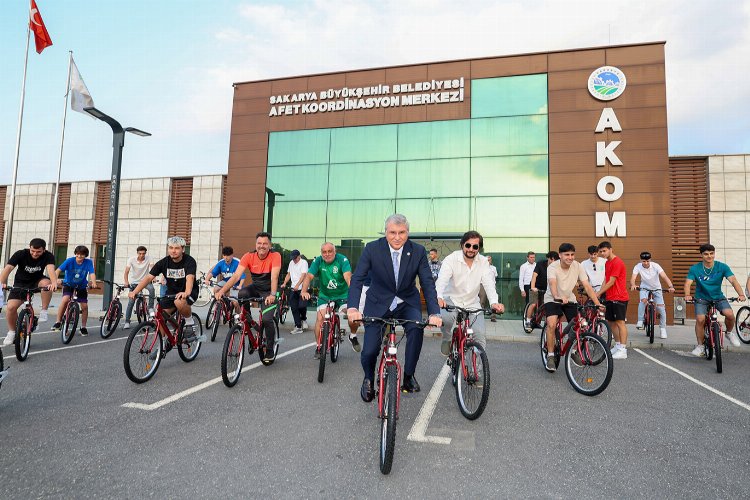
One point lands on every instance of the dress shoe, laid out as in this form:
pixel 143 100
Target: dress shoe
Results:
pixel 367 392
pixel 410 384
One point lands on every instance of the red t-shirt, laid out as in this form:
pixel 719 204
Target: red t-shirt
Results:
pixel 260 269
pixel 616 268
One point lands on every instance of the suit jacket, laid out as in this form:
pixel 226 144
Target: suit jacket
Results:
pixel 377 261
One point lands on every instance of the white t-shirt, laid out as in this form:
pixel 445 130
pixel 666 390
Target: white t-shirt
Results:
pixel 138 270
pixel 650 276
pixel 596 276
pixel 296 271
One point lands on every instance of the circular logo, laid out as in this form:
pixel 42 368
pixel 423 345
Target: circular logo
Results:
pixel 607 83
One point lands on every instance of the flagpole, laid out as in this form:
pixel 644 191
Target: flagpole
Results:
pixel 12 201
pixel 53 218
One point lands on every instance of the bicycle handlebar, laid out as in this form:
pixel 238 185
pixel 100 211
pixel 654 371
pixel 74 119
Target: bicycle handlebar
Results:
pixel 449 308
pixel 713 302
pixel 24 289
pixel 394 322
pixel 650 290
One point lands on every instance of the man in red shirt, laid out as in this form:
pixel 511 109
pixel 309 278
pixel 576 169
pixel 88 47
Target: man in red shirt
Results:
pixel 616 298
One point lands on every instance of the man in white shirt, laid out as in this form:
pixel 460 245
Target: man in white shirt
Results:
pixel 295 276
pixel 524 275
pixel 650 272
pixel 462 274
pixel 135 270
pixel 594 267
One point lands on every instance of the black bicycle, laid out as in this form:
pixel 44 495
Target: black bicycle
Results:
pixel 649 316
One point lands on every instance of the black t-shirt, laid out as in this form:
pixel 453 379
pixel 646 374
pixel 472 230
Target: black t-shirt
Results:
pixel 175 272
pixel 541 275
pixel 30 270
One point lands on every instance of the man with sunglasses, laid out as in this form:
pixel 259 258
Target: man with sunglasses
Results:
pixel 461 276
pixel 650 273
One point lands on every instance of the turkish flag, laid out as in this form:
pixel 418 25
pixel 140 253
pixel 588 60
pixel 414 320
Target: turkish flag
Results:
pixel 41 37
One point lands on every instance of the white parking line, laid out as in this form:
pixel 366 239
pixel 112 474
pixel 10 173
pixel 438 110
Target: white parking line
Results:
pixel 419 429
pixel 96 342
pixel 696 381
pixel 199 387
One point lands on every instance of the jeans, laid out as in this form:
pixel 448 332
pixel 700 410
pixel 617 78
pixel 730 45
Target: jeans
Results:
pixel 298 307
pixel 658 302
pixel 131 302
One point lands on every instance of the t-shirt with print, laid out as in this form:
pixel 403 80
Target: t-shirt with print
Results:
pixel 649 277
pixel 138 270
pixel 332 283
pixel 616 268
pixel 223 271
pixel 708 281
pixel 29 270
pixel 77 275
pixel 566 280
pixel 260 269
pixel 175 272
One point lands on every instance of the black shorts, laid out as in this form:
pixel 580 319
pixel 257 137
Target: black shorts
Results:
pixel 616 311
pixel 83 294
pixel 20 294
pixel 167 303
pixel 557 309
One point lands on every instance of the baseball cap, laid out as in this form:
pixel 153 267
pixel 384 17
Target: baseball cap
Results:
pixel 295 253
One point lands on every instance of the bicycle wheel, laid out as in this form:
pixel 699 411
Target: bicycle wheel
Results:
pixel 189 350
pixel 588 365
pixel 543 348
pixel 743 324
pixel 2 366
pixel 262 348
pixel 215 313
pixel 473 387
pixel 24 327
pixel 716 332
pixel 143 352
pixel 232 356
pixel 708 343
pixel 284 311
pixel 204 296
pixel 141 310
pixel 650 326
pixel 388 419
pixel 110 319
pixel 325 331
pixel 211 314
pixel 70 322
pixel 336 342
pixel 530 327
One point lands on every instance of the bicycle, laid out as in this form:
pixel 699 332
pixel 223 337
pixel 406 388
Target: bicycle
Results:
pixel 282 301
pixel 595 316
pixel 220 312
pixel 713 339
pixel 145 348
pixel 389 383
pixel 3 370
pixel 743 324
pixel 112 317
pixel 70 318
pixel 585 353
pixel 331 335
pixel 233 353
pixel 469 365
pixel 649 316
pixel 205 292
pixel 537 319
pixel 26 323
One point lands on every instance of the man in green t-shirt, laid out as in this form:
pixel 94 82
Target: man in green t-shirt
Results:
pixel 334 273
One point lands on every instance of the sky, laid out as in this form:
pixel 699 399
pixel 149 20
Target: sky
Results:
pixel 167 66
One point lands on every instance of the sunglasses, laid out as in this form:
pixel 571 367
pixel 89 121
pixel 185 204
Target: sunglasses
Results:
pixel 469 245
pixel 594 265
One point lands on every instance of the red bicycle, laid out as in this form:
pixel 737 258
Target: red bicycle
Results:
pixel 114 311
pixel 331 335
pixel 70 318
pixel 282 304
pixel 743 324
pixel 649 316
pixel 26 322
pixel 537 319
pixel 598 325
pixel 234 345
pixel 713 336
pixel 146 345
pixel 221 312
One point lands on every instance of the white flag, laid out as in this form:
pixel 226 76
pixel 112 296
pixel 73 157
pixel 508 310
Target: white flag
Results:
pixel 80 97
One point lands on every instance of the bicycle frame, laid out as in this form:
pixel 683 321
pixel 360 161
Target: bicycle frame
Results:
pixel 579 324
pixel 388 357
pixel 245 318
pixel 463 333
pixel 334 324
pixel 712 317
pixel 163 320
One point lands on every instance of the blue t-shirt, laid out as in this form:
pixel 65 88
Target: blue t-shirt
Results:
pixel 708 282
pixel 77 275
pixel 223 271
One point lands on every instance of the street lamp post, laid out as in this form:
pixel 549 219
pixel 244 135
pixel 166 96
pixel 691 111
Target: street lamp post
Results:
pixel 271 203
pixel 118 142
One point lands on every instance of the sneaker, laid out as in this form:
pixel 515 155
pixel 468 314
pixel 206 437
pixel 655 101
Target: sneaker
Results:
pixel 699 351
pixel 188 334
pixel 56 327
pixel 9 338
pixel 268 353
pixel 732 337
pixel 445 347
pixel 317 353
pixel 616 348
pixel 355 343
pixel 126 326
pixel 84 331
pixel 639 325
pixel 663 333
pixel 295 331
pixel 43 316
pixel 549 365
pixel 621 353
pixel 304 325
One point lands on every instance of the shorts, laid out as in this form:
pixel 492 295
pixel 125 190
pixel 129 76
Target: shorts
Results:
pixel 701 306
pixel 83 294
pixel 557 309
pixel 323 303
pixel 167 303
pixel 233 292
pixel 616 310
pixel 20 294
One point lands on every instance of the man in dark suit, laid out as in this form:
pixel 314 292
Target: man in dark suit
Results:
pixel 393 264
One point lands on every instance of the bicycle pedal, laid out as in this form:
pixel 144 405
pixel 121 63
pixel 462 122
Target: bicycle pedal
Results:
pixel 200 338
pixel 279 340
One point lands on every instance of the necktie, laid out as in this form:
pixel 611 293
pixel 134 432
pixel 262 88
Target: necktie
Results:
pixel 394 255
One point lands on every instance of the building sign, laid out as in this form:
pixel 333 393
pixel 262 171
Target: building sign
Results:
pixel 607 83
pixel 370 97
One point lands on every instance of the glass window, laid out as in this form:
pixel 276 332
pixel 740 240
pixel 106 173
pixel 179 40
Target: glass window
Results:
pixel 363 144
pixel 362 181
pixel 436 215
pixel 299 147
pixel 509 96
pixel 509 176
pixel 433 178
pixel 518 245
pixel 301 182
pixel 308 247
pixel 440 139
pixel 511 217
pixel 517 135
pixel 357 219
pixel 299 219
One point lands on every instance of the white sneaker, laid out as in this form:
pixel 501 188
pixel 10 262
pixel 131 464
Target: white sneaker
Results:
pixel 621 353
pixel 126 326
pixel 43 316
pixel 639 325
pixel 732 337
pixel 663 333
pixel 296 330
pixel 9 339
pixel 304 325
pixel 699 351
pixel 616 348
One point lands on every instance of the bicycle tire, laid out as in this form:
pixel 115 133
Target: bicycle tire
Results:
pixel 215 313
pixel 337 338
pixel 453 362
pixel 651 318
pixel 189 350
pixel 708 343
pixel 284 312
pixel 141 311
pixel 2 363
pixel 593 353
pixel 743 324
pixel 542 348
pixel 473 379
pixel 602 329
pixel 210 316
pixel 70 322
pixel 22 342
pixel 325 331
pixel 139 367
pixel 110 319
pixel 262 347
pixel 232 356
pixel 716 332
pixel 388 419
pixel 204 296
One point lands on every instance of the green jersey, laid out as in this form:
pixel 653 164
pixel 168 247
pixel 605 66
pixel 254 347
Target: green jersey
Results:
pixel 332 283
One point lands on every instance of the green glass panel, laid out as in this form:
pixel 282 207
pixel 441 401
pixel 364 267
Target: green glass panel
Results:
pixel 364 144
pixel 440 139
pixel 510 136
pixel 437 215
pixel 357 218
pixel 509 96
pixel 308 247
pixel 433 178
pixel 518 245
pixel 362 181
pixel 511 217
pixel 298 147
pixel 299 219
pixel 301 182
pixel 509 176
